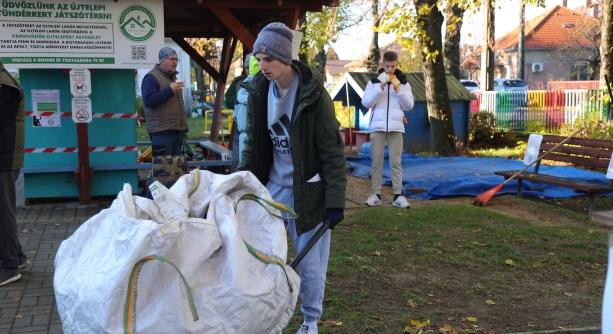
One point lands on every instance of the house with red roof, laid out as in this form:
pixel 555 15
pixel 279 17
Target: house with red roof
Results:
pixel 561 44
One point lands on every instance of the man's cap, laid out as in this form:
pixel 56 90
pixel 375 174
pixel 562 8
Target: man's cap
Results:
pixel 166 52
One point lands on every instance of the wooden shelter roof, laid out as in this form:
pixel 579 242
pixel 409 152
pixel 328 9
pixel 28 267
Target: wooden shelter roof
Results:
pixel 232 20
pixel 214 18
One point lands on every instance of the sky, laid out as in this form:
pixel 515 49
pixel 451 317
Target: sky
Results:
pixel 354 44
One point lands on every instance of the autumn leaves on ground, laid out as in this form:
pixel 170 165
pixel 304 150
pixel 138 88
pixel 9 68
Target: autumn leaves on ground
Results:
pixel 450 267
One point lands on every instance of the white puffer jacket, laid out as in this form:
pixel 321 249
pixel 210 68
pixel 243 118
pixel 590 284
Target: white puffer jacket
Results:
pixel 387 106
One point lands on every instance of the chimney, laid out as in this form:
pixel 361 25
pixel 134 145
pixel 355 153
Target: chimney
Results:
pixel 565 3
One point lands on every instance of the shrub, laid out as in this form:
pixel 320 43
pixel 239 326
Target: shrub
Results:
pixel 483 132
pixel 594 127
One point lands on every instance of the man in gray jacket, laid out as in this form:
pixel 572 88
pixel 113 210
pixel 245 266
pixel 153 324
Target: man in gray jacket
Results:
pixel 163 104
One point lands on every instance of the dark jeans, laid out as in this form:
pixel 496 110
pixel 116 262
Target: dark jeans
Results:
pixel 10 248
pixel 166 143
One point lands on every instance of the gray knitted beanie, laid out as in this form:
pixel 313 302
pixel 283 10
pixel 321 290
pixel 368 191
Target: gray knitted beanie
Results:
pixel 166 52
pixel 275 40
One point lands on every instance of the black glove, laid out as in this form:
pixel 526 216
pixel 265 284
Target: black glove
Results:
pixel 334 216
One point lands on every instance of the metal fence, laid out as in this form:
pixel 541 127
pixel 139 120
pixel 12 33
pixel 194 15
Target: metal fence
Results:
pixel 541 110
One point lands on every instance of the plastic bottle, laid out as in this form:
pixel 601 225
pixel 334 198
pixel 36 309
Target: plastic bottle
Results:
pixel 170 207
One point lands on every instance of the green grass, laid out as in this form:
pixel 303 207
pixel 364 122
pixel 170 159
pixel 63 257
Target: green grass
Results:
pixel 195 126
pixel 443 262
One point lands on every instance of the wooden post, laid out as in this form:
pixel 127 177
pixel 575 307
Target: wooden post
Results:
pixel 229 44
pixel 83 176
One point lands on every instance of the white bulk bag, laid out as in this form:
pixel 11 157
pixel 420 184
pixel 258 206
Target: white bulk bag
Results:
pixel 233 290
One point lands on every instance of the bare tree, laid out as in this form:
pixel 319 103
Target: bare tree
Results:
pixel 606 47
pixel 583 44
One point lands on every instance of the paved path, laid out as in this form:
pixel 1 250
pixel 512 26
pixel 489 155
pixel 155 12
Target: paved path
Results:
pixel 28 305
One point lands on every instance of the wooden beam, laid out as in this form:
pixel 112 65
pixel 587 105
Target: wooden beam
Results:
pixel 197 58
pixel 292 18
pixel 250 4
pixel 235 26
pixel 229 44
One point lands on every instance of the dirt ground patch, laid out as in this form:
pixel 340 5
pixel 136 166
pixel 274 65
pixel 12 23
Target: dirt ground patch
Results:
pixel 540 210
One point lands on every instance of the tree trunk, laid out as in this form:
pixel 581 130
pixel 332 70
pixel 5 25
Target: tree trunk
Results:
pixel 487 51
pixel 199 81
pixel 606 45
pixel 374 55
pixel 437 94
pixel 521 47
pixel 302 54
pixel 320 61
pixel 452 40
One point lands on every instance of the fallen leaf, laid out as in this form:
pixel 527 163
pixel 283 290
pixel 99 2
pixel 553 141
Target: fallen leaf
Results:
pixel 411 303
pixel 332 323
pixel 429 295
pixel 568 293
pixel 509 262
pixel 490 302
pixel 420 324
pixel 376 253
pixel 399 214
pixel 447 328
pixel 472 319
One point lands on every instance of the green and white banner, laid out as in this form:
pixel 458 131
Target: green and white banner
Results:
pixel 81 33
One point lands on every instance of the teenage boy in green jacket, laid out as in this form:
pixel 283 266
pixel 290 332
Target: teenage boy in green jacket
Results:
pixel 293 146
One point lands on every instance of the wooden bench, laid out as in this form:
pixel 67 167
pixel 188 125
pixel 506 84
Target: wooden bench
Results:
pixel 595 154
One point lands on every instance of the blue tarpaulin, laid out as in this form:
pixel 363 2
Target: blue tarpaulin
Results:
pixel 462 176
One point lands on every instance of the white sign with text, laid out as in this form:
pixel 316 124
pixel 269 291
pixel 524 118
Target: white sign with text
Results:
pixel 80 82
pixel 84 33
pixel 81 109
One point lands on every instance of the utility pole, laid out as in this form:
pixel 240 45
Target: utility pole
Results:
pixel 521 43
pixel 487 51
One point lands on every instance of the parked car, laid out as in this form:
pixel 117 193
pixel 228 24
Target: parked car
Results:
pixel 510 84
pixel 470 85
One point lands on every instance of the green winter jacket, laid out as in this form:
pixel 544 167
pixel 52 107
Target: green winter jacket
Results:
pixel 11 126
pixel 315 142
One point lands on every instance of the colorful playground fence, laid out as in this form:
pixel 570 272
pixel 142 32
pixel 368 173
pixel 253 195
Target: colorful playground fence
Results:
pixel 537 110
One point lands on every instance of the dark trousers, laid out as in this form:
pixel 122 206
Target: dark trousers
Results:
pixel 166 143
pixel 10 248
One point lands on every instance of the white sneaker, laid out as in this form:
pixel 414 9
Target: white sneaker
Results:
pixel 373 200
pixel 401 202
pixel 304 329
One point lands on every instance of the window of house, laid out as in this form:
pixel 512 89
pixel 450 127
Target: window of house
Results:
pixel 580 71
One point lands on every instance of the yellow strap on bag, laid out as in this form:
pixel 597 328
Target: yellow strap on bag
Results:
pixel 268 205
pixel 129 323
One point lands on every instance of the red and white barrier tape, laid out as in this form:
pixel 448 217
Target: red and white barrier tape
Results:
pixel 96 115
pixel 74 149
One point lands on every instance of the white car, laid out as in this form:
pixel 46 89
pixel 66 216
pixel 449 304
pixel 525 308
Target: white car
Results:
pixel 510 84
pixel 470 85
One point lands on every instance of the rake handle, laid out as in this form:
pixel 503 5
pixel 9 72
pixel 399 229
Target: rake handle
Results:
pixel 540 157
pixel 322 229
